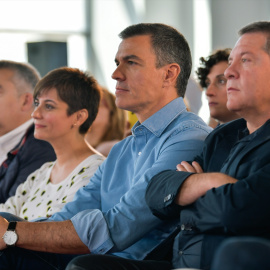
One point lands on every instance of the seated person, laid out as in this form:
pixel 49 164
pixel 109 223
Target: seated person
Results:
pixel 110 215
pixel 211 78
pixel 109 125
pixel 66 103
pixel 20 152
pixel 225 191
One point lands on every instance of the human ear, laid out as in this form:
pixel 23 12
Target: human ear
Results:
pixel 81 116
pixel 172 72
pixel 26 101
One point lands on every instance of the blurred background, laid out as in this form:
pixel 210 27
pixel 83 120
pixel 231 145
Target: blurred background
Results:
pixel 84 33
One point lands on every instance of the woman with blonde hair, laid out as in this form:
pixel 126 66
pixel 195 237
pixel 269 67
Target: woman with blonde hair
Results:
pixel 109 126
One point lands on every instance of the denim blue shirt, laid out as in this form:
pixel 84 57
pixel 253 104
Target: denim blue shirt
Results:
pixel 110 214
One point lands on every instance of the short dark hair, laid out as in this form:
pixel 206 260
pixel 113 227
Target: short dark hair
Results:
pixel 210 61
pixel 76 88
pixel 22 71
pixel 169 45
pixel 258 27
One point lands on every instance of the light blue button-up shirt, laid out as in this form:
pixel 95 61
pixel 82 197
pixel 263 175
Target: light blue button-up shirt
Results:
pixel 110 214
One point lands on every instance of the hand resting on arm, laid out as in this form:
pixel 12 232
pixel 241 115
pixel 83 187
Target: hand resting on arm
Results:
pixel 197 184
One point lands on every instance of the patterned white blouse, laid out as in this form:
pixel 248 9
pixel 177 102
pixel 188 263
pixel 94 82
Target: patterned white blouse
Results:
pixel 38 197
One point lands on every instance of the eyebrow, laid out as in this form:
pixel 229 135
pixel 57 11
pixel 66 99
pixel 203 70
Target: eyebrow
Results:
pixel 50 100
pixel 245 53
pixel 129 57
pixel 218 76
pixel 46 100
pixel 241 54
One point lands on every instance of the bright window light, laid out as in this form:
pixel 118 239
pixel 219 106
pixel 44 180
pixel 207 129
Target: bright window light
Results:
pixel 202 42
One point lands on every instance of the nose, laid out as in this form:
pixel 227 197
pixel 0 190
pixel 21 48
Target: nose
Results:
pixel 210 90
pixel 118 74
pixel 231 71
pixel 36 113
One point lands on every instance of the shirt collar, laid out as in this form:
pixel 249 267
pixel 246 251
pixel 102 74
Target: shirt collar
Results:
pixel 159 121
pixel 9 140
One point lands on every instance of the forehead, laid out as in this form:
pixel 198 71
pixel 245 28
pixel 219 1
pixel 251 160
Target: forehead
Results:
pixel 137 46
pixel 8 83
pixel 218 68
pixel 249 43
pixel 48 93
pixel 7 74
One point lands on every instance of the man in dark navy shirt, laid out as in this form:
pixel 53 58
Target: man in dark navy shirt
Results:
pixel 225 191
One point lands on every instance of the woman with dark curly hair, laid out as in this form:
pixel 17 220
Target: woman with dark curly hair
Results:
pixel 211 78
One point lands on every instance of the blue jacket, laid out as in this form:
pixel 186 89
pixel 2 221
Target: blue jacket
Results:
pixel 230 210
pixel 24 159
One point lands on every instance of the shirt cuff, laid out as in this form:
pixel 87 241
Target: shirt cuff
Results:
pixel 93 231
pixel 162 191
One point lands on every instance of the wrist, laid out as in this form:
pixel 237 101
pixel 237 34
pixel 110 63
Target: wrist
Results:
pixel 10 237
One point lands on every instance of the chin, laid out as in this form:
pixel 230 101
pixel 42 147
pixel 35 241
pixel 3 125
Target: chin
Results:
pixel 215 114
pixel 38 136
pixel 232 108
pixel 233 105
pixel 121 105
pixel 118 103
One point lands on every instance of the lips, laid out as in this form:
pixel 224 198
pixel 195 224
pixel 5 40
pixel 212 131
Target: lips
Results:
pixel 212 103
pixel 119 90
pixel 232 89
pixel 39 126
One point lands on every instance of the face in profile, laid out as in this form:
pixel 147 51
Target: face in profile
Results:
pixel 248 79
pixel 50 117
pixel 216 93
pixel 10 102
pixel 139 81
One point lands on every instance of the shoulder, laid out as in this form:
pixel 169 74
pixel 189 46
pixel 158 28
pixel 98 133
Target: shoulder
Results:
pixel 187 122
pixel 224 136
pixel 230 128
pixel 90 162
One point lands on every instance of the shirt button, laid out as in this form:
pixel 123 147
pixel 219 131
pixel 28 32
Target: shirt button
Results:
pixel 180 252
pixel 139 153
pixel 183 227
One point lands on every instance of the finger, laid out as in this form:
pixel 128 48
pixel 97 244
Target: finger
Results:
pixel 197 167
pixel 180 168
pixel 187 166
